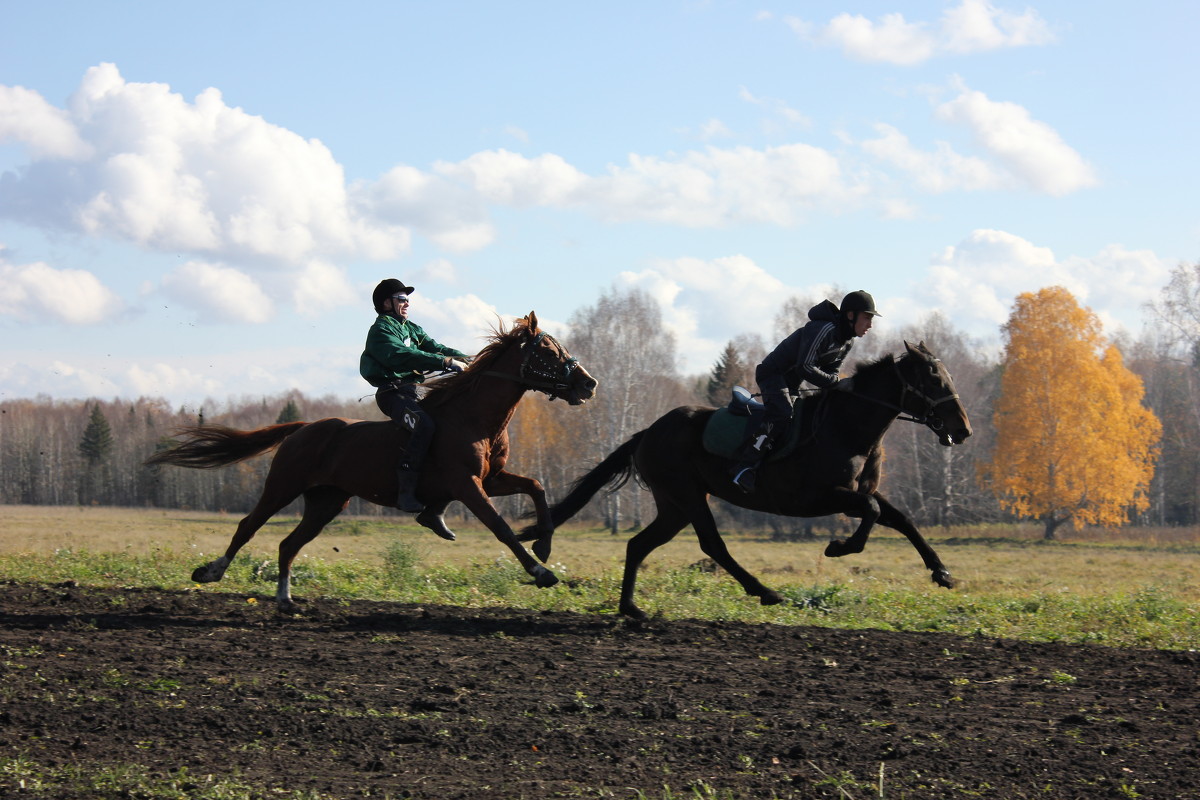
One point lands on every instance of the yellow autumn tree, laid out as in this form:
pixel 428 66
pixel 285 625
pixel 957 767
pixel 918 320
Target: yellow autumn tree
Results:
pixel 1073 441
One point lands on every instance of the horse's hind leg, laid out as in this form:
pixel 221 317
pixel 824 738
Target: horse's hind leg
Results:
pixel 275 496
pixel 321 505
pixel 892 517
pixel 714 547
pixel 661 530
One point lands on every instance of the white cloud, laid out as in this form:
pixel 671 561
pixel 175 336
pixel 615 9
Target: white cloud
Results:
pixel 56 379
pixel 137 162
pixel 461 322
pixel 706 303
pixel 973 26
pixel 39 293
pixel 165 380
pixel 1031 150
pixel 218 293
pixel 942 170
pixel 1020 151
pixel 975 282
pixel 27 119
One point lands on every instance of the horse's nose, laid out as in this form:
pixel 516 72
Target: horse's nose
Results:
pixel 961 435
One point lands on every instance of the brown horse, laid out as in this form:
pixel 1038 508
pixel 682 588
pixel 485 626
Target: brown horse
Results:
pixel 836 471
pixel 332 460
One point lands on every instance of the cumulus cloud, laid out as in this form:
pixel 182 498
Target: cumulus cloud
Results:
pixel 1032 150
pixel 976 281
pixel 38 292
pixel 1018 151
pixel 696 296
pixel 137 162
pixel 973 26
pixel 27 119
pixel 218 293
pixel 941 170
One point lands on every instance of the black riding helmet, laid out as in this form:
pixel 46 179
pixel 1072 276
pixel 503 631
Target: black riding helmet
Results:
pixel 859 301
pixel 387 288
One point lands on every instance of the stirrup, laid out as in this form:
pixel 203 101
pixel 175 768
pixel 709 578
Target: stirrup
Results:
pixel 745 479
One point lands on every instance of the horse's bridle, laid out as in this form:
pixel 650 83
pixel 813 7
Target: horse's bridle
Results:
pixel 539 372
pixel 927 418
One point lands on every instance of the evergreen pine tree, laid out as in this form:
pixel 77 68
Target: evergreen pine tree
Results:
pixel 97 441
pixel 290 413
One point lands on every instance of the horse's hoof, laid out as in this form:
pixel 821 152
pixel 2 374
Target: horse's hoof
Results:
pixel 541 549
pixel 634 613
pixel 544 578
pixel 288 608
pixel 835 549
pixel 770 598
pixel 200 575
pixel 942 578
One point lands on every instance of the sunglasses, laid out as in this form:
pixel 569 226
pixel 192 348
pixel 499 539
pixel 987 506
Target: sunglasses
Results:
pixel 400 298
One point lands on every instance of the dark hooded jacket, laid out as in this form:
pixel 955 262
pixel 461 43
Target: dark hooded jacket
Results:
pixel 815 352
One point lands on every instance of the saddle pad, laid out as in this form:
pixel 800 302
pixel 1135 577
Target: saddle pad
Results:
pixel 726 433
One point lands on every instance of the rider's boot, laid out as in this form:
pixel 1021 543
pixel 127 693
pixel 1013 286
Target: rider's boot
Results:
pixel 406 498
pixel 745 472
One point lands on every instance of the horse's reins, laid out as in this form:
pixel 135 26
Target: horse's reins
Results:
pixel 539 372
pixel 906 388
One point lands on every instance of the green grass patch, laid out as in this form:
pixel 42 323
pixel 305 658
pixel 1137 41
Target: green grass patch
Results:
pixel 1132 613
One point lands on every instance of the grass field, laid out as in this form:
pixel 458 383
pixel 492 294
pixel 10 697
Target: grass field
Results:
pixel 1128 587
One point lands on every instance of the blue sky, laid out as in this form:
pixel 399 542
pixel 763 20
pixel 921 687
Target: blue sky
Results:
pixel 196 199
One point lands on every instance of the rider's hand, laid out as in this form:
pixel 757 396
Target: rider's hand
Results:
pixel 450 365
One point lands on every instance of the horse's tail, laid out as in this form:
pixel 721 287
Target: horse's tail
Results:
pixel 613 472
pixel 210 446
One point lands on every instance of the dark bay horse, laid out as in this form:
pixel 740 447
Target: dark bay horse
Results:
pixel 835 472
pixel 331 460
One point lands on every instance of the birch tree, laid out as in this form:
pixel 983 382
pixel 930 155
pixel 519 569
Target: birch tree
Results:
pixel 1073 441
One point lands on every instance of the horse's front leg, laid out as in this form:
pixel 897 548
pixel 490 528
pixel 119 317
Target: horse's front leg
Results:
pixel 502 484
pixel 478 503
pixel 853 504
pixel 892 517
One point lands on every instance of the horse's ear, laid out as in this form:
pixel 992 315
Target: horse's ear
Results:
pixel 532 320
pixel 908 346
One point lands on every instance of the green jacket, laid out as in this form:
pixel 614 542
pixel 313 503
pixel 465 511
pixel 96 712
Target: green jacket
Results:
pixel 396 349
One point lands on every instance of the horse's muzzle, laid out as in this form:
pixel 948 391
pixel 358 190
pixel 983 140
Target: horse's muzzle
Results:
pixel 583 387
pixel 956 436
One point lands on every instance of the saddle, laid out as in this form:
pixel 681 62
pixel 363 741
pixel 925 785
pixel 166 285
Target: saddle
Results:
pixel 729 430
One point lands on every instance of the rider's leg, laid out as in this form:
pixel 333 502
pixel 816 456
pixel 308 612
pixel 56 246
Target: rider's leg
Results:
pixel 402 406
pixel 773 389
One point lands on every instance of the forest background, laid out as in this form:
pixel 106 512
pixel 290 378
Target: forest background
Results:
pixel 90 452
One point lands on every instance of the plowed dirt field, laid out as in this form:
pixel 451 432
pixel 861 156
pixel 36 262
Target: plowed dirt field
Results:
pixel 357 699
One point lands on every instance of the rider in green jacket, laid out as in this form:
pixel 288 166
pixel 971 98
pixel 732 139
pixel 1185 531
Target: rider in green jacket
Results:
pixel 397 353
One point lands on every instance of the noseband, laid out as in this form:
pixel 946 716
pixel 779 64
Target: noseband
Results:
pixel 539 371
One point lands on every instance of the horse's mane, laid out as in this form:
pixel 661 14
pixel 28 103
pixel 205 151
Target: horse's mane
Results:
pixel 867 370
pixel 446 389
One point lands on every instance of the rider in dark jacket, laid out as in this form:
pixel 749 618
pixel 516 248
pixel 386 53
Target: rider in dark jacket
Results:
pixel 813 353
pixel 397 353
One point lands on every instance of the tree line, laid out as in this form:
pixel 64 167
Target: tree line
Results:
pixel 1068 427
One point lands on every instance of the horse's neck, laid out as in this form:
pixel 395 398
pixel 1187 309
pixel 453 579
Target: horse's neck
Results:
pixel 864 415
pixel 491 403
